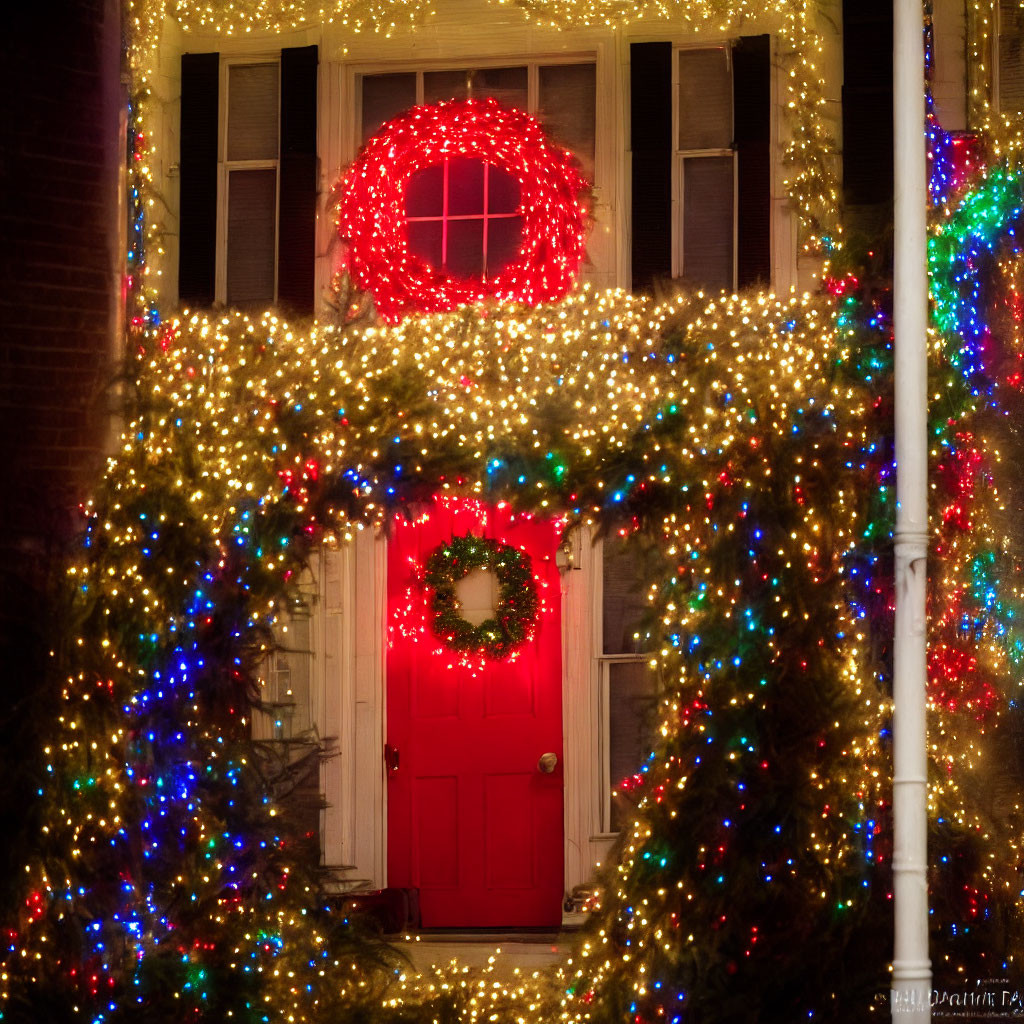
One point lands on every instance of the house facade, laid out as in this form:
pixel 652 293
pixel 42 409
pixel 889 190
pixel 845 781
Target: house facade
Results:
pixel 487 788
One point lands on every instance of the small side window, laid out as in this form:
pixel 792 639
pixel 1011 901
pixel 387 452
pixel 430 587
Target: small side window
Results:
pixel 706 169
pixel 1010 58
pixel 627 686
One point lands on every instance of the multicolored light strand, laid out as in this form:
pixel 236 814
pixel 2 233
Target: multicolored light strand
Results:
pixel 739 431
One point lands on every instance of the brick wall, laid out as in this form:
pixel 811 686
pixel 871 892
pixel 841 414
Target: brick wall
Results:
pixel 59 161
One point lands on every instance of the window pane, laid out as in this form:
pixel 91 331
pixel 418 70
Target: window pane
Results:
pixel 252 223
pixel 252 112
pixel 507 85
pixel 385 97
pixel 424 195
pixel 504 237
pixel 465 187
pixel 708 221
pixel 286 694
pixel 1011 57
pixel 632 724
pixel 705 99
pixel 502 191
pixel 465 257
pixel 425 240
pixel 568 98
pixel 445 85
pixel 623 601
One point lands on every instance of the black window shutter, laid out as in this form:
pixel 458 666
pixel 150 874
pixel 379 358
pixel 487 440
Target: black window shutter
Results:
pixel 296 235
pixel 867 102
pixel 650 80
pixel 751 92
pixel 197 163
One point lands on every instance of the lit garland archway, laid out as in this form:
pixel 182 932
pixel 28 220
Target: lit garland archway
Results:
pixel 694 420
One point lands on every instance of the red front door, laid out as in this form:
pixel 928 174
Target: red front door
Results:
pixel 473 823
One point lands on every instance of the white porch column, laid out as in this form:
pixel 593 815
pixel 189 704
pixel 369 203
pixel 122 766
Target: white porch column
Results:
pixel 911 978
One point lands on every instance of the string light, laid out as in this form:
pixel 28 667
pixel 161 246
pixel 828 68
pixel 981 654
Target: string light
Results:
pixel 742 431
pixel 708 420
pixel 373 216
pixel 809 156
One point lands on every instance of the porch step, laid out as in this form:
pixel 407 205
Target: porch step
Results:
pixel 484 936
pixel 503 953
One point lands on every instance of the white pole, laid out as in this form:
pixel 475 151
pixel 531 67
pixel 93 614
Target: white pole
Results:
pixel 911 968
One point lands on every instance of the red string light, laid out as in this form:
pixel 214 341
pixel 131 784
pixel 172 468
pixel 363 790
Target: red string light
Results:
pixel 372 214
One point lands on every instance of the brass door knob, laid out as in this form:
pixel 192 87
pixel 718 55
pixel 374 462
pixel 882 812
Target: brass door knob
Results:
pixel 547 763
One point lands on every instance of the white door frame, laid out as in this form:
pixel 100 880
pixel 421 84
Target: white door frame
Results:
pixel 350 645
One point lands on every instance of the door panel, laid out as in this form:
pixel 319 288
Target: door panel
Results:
pixel 508 832
pixel 436 805
pixel 472 822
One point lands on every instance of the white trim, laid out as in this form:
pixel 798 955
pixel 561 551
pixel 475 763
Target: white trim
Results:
pixel 585 710
pixel 368 601
pixel 326 634
pixel 579 714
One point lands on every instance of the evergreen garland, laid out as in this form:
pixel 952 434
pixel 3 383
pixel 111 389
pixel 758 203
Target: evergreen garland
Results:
pixel 738 434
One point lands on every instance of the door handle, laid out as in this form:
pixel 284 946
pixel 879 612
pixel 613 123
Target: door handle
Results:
pixel 547 763
pixel 391 757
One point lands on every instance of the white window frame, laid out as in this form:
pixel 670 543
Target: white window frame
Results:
pixel 225 167
pixel 681 155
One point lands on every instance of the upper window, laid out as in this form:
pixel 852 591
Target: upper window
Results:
pixel 247 241
pixel 701 163
pixel 247 178
pixel 1010 58
pixel 463 215
pixel 705 169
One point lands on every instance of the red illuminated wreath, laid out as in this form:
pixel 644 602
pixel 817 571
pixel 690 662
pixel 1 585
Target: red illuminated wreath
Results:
pixel 373 217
